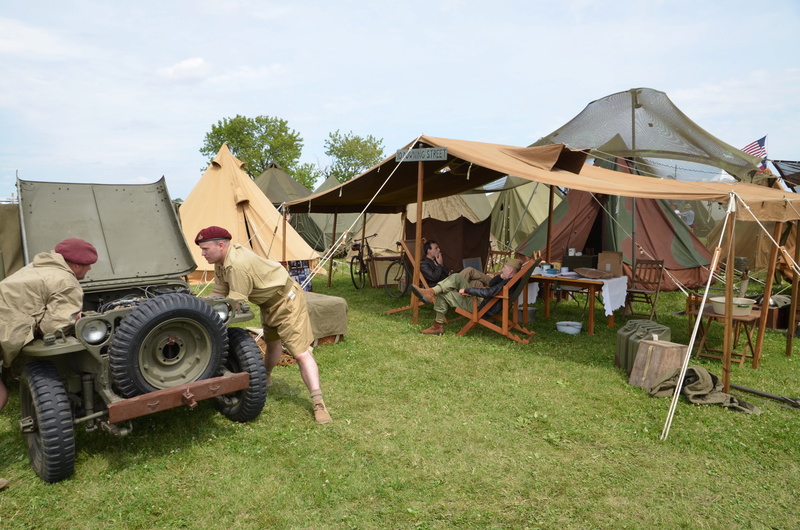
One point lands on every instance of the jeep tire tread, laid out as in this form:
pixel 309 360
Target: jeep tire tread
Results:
pixel 51 444
pixel 167 341
pixel 244 356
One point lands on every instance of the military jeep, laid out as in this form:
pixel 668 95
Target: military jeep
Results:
pixel 144 342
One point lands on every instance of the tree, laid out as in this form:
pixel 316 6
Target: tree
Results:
pixel 256 142
pixel 352 154
pixel 307 174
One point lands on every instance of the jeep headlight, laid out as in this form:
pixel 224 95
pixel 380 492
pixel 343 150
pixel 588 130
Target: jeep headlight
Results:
pixel 223 310
pixel 95 331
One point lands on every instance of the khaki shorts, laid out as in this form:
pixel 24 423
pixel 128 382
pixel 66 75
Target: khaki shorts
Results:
pixel 287 321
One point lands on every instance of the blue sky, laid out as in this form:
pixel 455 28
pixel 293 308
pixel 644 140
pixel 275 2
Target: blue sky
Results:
pixel 124 92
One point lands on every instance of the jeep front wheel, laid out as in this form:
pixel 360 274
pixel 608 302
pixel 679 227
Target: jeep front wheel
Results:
pixel 47 421
pixel 167 341
pixel 244 356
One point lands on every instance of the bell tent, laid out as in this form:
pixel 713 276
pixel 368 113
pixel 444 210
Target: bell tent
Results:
pixel 226 196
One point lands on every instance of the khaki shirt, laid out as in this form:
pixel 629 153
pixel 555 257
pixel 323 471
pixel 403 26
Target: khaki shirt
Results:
pixel 246 276
pixel 43 295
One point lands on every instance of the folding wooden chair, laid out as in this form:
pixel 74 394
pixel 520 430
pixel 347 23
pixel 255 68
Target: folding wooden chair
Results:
pixel 645 286
pixel 509 315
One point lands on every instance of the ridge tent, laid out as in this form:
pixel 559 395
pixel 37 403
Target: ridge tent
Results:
pixel 580 221
pixel 516 212
pixel 226 196
pixel 279 188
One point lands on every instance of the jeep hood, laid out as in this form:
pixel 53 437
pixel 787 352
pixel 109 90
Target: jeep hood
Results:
pixel 133 226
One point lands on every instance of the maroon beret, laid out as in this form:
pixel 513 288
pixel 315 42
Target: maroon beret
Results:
pixel 77 251
pixel 211 233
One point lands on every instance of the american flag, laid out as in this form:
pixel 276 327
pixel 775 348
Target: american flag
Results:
pixel 758 148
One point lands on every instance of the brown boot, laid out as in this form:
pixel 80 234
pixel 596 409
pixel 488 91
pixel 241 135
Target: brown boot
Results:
pixel 321 414
pixel 436 329
pixel 426 295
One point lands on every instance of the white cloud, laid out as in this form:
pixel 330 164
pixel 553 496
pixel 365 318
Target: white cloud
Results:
pixel 193 69
pixel 18 39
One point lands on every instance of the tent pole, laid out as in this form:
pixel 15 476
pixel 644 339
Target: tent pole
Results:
pixel 333 243
pixel 728 337
pixel 549 225
pixel 790 326
pixel 417 241
pixel 762 321
pixel 283 243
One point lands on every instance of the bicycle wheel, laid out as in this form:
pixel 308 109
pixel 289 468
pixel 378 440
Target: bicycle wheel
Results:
pixel 358 272
pixel 397 279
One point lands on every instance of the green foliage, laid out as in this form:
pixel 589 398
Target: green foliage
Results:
pixel 352 154
pixel 256 142
pixel 307 175
pixel 439 432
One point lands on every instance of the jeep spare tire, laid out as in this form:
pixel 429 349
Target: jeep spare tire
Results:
pixel 167 341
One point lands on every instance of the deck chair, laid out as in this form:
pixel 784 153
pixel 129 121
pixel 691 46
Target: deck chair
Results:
pixel 645 286
pixel 506 322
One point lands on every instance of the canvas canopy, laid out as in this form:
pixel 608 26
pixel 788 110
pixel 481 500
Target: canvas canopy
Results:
pixel 644 123
pixel 226 196
pixel 605 223
pixel 279 188
pixel 473 164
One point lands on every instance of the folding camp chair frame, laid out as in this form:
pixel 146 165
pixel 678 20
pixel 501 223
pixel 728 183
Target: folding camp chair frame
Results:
pixel 509 298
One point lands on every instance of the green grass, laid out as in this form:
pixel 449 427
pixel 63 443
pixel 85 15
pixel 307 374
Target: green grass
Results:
pixel 439 432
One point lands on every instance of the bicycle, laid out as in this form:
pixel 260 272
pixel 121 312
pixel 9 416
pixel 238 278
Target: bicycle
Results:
pixel 358 267
pixel 398 278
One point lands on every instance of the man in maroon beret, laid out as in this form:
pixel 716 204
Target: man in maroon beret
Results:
pixel 244 276
pixel 42 298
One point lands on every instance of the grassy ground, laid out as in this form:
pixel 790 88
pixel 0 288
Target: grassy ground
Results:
pixel 439 432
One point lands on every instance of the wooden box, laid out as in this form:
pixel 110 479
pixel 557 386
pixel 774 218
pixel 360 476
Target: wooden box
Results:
pixel 654 360
pixel 610 262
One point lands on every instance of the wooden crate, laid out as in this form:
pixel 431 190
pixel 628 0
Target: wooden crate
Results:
pixel 655 359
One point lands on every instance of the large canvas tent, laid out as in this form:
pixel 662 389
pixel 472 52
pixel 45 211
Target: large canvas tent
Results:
pixel 226 196
pixel 644 123
pixel 469 165
pixel 605 223
pixel 279 188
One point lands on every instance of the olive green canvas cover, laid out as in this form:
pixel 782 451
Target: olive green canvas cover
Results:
pixel 133 227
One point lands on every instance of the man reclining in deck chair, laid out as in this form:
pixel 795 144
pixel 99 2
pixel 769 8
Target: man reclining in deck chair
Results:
pixel 455 291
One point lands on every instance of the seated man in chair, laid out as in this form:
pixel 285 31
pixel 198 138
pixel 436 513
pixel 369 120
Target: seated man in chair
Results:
pixel 455 291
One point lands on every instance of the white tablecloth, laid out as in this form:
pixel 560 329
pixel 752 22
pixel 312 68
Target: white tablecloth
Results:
pixel 613 292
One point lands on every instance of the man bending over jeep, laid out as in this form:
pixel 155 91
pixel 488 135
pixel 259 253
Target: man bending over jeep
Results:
pixel 244 276
pixel 42 298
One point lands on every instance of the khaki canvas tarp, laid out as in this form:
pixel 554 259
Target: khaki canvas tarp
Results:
pixel 226 196
pixel 473 164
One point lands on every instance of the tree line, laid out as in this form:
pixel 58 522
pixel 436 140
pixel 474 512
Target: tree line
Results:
pixel 263 140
